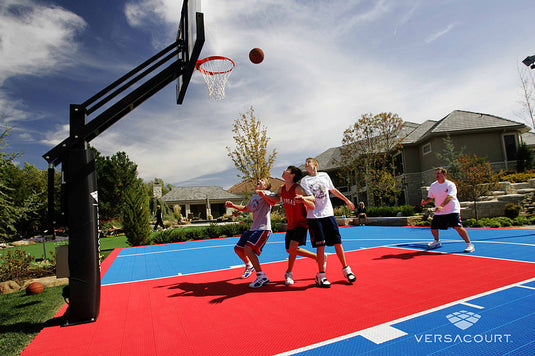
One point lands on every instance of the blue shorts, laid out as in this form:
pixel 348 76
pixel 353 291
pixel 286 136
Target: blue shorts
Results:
pixel 256 239
pixel 324 231
pixel 442 222
pixel 298 234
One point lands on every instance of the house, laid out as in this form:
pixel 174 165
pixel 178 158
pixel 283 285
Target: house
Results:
pixel 492 137
pixel 199 203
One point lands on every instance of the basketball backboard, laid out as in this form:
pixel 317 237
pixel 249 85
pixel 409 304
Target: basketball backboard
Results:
pixel 191 39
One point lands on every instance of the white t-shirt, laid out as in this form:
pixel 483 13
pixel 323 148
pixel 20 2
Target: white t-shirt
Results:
pixel 440 191
pixel 261 211
pixel 319 186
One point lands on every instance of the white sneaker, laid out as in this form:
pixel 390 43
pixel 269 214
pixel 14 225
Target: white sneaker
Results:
pixel 434 244
pixel 321 281
pixel 288 276
pixel 260 280
pixel 349 275
pixel 248 271
pixel 469 248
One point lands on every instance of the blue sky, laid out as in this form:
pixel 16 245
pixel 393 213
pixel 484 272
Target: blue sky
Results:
pixel 326 63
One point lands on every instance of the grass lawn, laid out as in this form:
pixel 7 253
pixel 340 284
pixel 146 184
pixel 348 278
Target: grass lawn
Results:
pixel 23 316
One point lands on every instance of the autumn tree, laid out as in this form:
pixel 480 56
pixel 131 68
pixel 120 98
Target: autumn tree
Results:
pixel 474 179
pixel 367 152
pixel 250 155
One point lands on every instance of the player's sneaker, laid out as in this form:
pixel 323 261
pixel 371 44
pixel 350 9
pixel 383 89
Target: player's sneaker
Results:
pixel 260 280
pixel 248 271
pixel 434 244
pixel 349 275
pixel 288 276
pixel 469 248
pixel 321 281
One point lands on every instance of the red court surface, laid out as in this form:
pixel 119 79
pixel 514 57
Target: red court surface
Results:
pixel 218 314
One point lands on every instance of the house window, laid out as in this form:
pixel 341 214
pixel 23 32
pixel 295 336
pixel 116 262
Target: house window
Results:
pixel 509 142
pixel 426 149
pixel 398 163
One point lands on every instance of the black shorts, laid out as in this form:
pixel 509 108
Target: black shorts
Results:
pixel 442 222
pixel 298 234
pixel 324 231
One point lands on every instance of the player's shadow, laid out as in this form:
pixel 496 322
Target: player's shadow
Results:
pixel 408 255
pixel 224 289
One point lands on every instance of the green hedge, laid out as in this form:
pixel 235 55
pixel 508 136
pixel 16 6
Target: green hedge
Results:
pixel 499 222
pixel 386 211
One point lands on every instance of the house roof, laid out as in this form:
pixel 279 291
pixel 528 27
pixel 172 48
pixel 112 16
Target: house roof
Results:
pixel 455 122
pixel 463 121
pixel 199 194
pixel 247 186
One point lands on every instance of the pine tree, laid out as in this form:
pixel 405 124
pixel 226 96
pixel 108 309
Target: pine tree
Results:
pixel 136 214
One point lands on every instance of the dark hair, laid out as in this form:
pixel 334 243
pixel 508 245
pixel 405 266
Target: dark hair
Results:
pixel 296 172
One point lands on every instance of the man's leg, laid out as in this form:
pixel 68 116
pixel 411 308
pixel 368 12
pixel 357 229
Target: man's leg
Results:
pixel 463 233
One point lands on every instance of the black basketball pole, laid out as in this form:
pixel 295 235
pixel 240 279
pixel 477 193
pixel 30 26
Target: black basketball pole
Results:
pixel 81 208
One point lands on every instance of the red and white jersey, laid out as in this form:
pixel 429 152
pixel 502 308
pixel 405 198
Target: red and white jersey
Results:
pixel 296 212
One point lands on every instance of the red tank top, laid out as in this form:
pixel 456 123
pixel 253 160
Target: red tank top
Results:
pixel 296 212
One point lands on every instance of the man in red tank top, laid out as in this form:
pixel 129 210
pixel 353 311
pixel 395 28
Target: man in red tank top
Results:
pixel 296 214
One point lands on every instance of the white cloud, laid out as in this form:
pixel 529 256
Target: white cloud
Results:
pixel 35 38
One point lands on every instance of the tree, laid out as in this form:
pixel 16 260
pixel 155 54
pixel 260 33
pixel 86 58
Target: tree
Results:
pixel 449 156
pixel 250 156
pixel 527 84
pixel 114 175
pixel 367 152
pixel 135 214
pixel 474 179
pixel 524 158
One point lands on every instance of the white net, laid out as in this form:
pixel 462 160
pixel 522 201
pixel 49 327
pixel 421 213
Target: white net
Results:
pixel 216 71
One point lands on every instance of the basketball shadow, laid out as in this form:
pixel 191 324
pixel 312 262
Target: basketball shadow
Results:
pixel 224 289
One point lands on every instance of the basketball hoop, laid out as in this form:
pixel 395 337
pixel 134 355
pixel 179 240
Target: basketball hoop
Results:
pixel 215 70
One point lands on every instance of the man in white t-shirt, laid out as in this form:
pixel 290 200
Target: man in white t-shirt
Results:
pixel 447 209
pixel 322 225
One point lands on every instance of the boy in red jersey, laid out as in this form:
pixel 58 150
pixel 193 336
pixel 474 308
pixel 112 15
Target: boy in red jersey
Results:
pixel 296 214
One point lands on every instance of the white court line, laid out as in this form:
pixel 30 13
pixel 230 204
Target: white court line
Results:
pixel 527 287
pixel 472 305
pixel 405 318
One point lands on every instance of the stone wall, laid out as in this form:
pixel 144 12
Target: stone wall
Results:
pixel 522 194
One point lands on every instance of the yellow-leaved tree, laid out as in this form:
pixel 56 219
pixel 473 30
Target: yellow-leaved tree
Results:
pixel 250 154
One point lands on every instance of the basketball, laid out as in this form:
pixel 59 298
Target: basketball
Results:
pixel 34 288
pixel 256 55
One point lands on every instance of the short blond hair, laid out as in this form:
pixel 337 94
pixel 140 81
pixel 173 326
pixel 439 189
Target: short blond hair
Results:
pixel 315 161
pixel 441 170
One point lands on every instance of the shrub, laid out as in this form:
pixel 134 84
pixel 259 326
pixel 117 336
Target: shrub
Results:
pixel 477 223
pixel 423 223
pixel 469 222
pixel 512 210
pixel 494 224
pixel 14 265
pixel 504 221
pixel 407 210
pixel 520 220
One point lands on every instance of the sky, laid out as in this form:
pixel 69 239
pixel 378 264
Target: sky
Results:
pixel 326 64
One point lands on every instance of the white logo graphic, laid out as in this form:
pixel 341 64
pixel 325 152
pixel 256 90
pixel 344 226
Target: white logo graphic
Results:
pixel 463 319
